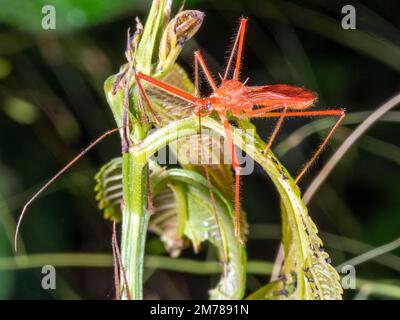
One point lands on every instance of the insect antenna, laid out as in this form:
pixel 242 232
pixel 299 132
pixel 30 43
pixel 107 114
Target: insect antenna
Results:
pixel 116 267
pixel 48 183
pixel 119 259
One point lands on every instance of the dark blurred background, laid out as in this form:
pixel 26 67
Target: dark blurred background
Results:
pixel 52 105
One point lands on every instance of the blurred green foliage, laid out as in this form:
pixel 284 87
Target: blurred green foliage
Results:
pixel 20 111
pixel 71 15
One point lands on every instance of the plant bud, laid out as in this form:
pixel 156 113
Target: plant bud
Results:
pixel 179 30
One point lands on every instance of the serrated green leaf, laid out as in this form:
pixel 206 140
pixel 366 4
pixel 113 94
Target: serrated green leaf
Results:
pixel 271 291
pixel 306 263
pixel 109 189
pixel 307 266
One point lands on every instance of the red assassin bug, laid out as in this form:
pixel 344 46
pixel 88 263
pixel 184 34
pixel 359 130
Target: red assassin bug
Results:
pixel 246 102
pixel 269 101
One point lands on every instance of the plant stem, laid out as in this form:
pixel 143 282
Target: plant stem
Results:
pixel 21 262
pixel 134 223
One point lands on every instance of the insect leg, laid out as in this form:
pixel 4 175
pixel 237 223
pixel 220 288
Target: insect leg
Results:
pixel 196 78
pixel 167 88
pixel 236 168
pixel 341 114
pixel 337 112
pixel 146 98
pixel 238 42
pixel 260 112
pixel 275 132
pixel 240 49
pixel 317 113
pixel 212 198
pixel 198 58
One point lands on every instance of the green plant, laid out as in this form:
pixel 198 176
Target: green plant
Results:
pixel 175 202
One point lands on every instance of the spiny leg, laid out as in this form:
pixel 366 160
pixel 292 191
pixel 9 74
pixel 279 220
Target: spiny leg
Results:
pixel 321 147
pixel 337 112
pixel 162 86
pixel 240 49
pixel 146 98
pixel 198 59
pixel 267 110
pixel 196 78
pixel 260 112
pixel 275 132
pixel 167 88
pixel 212 198
pixel 290 114
pixel 236 168
pixel 238 43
